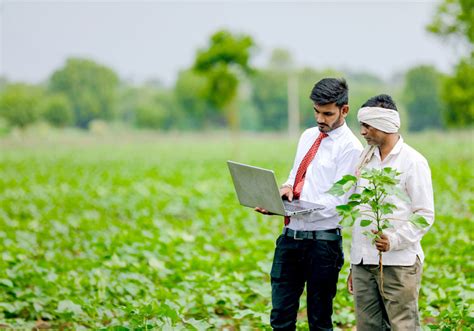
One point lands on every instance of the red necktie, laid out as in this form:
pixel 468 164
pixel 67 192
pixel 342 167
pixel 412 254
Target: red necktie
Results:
pixel 301 173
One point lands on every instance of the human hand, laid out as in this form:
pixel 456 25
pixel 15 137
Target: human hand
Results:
pixel 263 211
pixel 382 243
pixel 350 289
pixel 287 191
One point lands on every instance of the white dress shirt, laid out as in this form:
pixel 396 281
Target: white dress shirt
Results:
pixel 337 156
pixel 404 237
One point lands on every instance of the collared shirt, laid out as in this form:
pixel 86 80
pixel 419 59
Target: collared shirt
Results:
pixel 404 237
pixel 337 156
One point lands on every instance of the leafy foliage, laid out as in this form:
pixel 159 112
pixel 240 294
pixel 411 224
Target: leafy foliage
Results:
pixel 57 110
pixel 381 184
pixel 422 94
pixel 459 94
pixel 454 18
pixel 144 232
pixel 20 104
pixel 221 63
pixel 90 87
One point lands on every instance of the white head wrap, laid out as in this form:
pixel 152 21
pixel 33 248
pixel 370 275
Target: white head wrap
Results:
pixel 383 119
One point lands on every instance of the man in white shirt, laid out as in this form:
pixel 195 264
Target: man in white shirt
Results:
pixel 310 248
pixel 395 308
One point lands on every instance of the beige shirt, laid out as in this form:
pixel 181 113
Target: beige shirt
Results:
pixel 337 156
pixel 415 181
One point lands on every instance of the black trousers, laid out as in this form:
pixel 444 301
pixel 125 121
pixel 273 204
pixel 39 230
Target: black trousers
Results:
pixel 314 262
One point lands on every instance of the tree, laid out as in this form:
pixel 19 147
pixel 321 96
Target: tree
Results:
pixel 458 94
pixel 455 19
pixel 282 62
pixel 195 110
pixel 57 110
pixel 90 87
pixel 150 116
pixel 423 99
pixel 226 57
pixel 20 104
pixel 269 94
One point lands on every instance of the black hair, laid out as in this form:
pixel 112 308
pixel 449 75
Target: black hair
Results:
pixel 382 101
pixel 330 90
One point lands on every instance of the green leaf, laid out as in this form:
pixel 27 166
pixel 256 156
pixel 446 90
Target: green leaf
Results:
pixel 347 221
pixel 387 208
pixel 6 282
pixel 347 186
pixel 419 221
pixel 336 190
pixel 353 204
pixel 355 196
pixel 349 178
pixel 367 193
pixel 344 208
pixel 370 235
pixel 69 307
pixel 386 225
pixel 365 223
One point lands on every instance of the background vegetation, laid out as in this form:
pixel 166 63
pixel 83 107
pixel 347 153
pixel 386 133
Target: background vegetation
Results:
pixel 135 232
pixel 223 90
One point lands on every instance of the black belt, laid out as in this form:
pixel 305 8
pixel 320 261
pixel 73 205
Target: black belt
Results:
pixel 332 234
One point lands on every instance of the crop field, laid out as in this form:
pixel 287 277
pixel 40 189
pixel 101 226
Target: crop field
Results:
pixel 145 232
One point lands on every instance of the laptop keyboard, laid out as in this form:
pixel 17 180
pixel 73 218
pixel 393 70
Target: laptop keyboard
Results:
pixel 289 207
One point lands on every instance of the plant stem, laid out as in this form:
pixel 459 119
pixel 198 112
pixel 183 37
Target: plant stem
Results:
pixel 381 275
pixel 379 231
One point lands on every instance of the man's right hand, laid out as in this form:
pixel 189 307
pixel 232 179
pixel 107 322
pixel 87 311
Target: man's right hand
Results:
pixel 287 192
pixel 350 289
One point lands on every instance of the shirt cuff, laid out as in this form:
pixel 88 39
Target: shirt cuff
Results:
pixel 394 242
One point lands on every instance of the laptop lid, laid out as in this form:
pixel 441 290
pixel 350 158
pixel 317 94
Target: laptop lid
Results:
pixel 257 187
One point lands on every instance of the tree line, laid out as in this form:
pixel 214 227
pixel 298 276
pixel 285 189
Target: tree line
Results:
pixel 222 90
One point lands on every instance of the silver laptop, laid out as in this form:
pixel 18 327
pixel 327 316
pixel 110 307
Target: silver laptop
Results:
pixel 257 187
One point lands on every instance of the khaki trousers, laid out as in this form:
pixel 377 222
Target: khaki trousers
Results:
pixel 398 310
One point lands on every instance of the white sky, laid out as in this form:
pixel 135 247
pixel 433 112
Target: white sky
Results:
pixel 154 39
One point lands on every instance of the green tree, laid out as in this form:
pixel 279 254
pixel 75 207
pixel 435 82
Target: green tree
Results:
pixel 226 57
pixel 20 104
pixel 454 20
pixel 458 94
pixel 422 97
pixel 194 109
pixel 269 94
pixel 150 116
pixel 90 87
pixel 57 110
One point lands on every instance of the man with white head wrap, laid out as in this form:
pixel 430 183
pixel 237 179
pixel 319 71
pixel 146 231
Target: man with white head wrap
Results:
pixel 397 308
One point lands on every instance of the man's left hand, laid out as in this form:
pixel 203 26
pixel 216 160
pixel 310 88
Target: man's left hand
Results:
pixel 382 243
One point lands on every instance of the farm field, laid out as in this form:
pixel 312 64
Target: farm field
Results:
pixel 145 232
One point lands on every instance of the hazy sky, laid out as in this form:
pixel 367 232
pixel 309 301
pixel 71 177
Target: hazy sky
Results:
pixel 154 39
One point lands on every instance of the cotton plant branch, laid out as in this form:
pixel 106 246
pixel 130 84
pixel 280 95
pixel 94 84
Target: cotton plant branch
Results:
pixel 369 206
